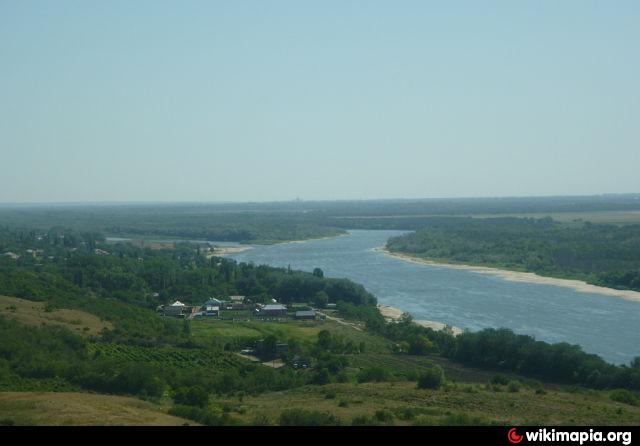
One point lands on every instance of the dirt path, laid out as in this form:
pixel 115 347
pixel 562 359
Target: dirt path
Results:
pixel 340 321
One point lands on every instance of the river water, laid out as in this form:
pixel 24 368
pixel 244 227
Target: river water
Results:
pixel 606 325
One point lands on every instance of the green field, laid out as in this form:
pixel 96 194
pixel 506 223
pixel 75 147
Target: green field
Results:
pixel 598 217
pixel 210 330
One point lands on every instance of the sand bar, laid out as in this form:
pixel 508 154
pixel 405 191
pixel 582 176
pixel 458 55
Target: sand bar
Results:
pixel 518 276
pixel 393 314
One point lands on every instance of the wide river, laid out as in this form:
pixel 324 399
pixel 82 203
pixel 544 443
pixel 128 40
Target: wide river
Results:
pixel 608 326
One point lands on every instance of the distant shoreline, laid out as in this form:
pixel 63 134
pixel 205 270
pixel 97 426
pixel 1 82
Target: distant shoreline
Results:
pixel 519 276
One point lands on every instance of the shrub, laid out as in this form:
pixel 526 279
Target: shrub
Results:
pixel 331 394
pixel 624 396
pixel 364 420
pixel 373 374
pixel 202 416
pixel 191 396
pixel 513 386
pixel 384 416
pixel 7 422
pixel 302 417
pixel 500 379
pixel 432 378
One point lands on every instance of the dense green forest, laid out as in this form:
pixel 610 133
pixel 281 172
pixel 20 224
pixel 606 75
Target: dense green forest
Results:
pixel 199 222
pixel 604 255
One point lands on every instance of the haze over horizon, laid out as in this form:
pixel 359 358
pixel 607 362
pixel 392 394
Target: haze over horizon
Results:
pixel 236 102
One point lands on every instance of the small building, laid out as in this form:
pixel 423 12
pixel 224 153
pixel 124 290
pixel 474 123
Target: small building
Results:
pixel 331 306
pixel 235 303
pixel 11 255
pixel 178 309
pixel 212 307
pixel 309 315
pixel 273 310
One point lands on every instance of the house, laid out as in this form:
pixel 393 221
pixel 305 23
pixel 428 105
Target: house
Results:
pixel 101 252
pixel 11 255
pixel 212 307
pixel 306 315
pixel 331 306
pixel 272 310
pixel 178 309
pixel 236 303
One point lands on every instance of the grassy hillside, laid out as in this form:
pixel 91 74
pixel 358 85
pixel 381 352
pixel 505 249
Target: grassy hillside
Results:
pixel 82 409
pixel 401 403
pixel 39 314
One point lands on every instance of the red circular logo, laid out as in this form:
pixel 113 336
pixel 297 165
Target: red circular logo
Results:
pixel 513 436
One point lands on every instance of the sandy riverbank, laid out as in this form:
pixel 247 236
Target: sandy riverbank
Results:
pixel 312 239
pixel 393 314
pixel 221 251
pixel 518 276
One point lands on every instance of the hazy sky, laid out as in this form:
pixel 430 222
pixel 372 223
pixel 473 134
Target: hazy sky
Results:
pixel 273 100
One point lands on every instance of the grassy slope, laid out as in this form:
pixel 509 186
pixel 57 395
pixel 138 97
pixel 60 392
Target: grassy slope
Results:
pixel 33 313
pixel 82 409
pixel 472 403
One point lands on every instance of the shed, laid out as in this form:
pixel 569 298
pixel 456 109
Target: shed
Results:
pixel 305 315
pixel 274 310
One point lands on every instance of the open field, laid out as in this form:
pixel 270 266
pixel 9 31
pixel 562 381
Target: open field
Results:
pixel 36 314
pixel 454 404
pixel 82 409
pixel 211 329
pixel 599 217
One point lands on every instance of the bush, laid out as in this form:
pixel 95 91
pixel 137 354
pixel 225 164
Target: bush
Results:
pixel 625 397
pixel 202 416
pixel 513 386
pixel 432 378
pixel 191 396
pixel 373 374
pixel 364 420
pixel 302 417
pixel 384 416
pixel 7 422
pixel 500 379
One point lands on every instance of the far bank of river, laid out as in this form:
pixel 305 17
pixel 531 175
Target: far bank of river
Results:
pixel 519 276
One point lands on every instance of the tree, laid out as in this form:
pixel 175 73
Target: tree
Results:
pixel 420 345
pixel 318 272
pixel 321 299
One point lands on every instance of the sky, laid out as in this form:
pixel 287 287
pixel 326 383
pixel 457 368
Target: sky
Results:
pixel 276 100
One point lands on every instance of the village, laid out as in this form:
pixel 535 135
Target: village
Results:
pixel 242 308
